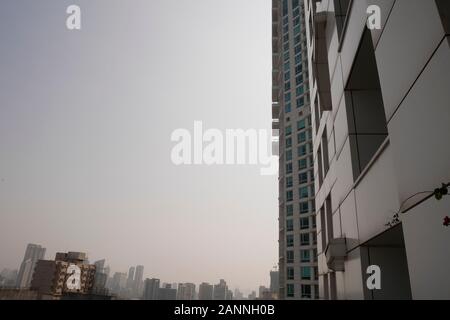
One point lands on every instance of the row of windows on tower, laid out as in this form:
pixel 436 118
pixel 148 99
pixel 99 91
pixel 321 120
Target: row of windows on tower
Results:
pixel 304 207
pixel 303 192
pixel 306 239
pixel 304 223
pixel 306 273
pixel 306 256
pixel 305 291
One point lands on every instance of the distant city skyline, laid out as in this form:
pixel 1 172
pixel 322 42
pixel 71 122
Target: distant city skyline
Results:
pixel 85 136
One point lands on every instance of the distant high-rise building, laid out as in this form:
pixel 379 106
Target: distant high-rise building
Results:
pixel 274 283
pixel 291 111
pixel 238 294
pixel 167 293
pixel 118 282
pixel 138 279
pixel 33 253
pixel 205 291
pixel 151 289
pixel 261 291
pixel 220 290
pixel 131 284
pixel 186 291
pixel 100 266
pixel 53 277
pixel 229 295
pixel 8 278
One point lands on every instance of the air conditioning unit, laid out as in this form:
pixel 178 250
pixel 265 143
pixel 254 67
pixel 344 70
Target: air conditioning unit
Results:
pixel 336 252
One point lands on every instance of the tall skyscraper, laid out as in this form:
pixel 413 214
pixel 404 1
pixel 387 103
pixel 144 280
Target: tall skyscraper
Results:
pixel 220 290
pixel 205 291
pixel 167 293
pixel 138 279
pixel 33 253
pixel 151 289
pixel 292 117
pixel 381 126
pixel 186 291
pixel 274 283
pixel 131 284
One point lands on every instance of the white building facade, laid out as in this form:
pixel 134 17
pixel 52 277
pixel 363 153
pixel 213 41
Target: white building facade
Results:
pixel 380 115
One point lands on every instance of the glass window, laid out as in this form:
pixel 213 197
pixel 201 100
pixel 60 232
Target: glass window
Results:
pixel 306 291
pixel 290 273
pixel 289 168
pixel 301 124
pixel 289 225
pixel 289 195
pixel 289 182
pixel 300 102
pixel 290 257
pixel 287 108
pixel 289 155
pixel 290 290
pixel 302 177
pixel 304 239
pixel 306 273
pixel 301 137
pixel 290 240
pixel 288 142
pixel 305 256
pixel 302 164
pixel 304 207
pixel 288 130
pixel 302 151
pixel 304 223
pixel 289 210
pixel 300 90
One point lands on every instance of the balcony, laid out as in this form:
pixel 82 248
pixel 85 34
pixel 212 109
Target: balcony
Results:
pixel 336 252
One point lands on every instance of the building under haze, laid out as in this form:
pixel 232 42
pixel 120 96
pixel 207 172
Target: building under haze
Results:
pixel 52 277
pixel 33 253
pixel 380 128
pixel 291 112
pixel 205 291
pixel 220 290
pixel 186 291
pixel 167 293
pixel 151 289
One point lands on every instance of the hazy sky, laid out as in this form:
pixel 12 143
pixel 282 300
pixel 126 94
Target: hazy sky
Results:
pixel 85 124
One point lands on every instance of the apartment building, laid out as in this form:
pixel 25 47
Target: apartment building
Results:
pixel 292 118
pixel 380 121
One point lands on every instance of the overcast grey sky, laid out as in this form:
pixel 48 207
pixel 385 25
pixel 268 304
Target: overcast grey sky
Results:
pixel 85 124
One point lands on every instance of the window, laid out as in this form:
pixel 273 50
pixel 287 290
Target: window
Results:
pixel 287 108
pixel 290 240
pixel 298 59
pixel 304 192
pixel 298 69
pixel 290 273
pixel 289 182
pixel 287 97
pixel 287 86
pixel 314 223
pixel 316 273
pixel 300 102
pixel 305 273
pixel 301 137
pixel 289 168
pixel 314 236
pixel 304 207
pixel 302 151
pixel 289 210
pixel 290 256
pixel 301 124
pixel 304 239
pixel 288 130
pixel 289 195
pixel 306 291
pixel 290 290
pixel 305 256
pixel 304 223
pixel 287 76
pixel 286 66
pixel 288 142
pixel 303 178
pixel 289 155
pixel 315 255
pixel 302 164
pixel 299 91
pixel 289 225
